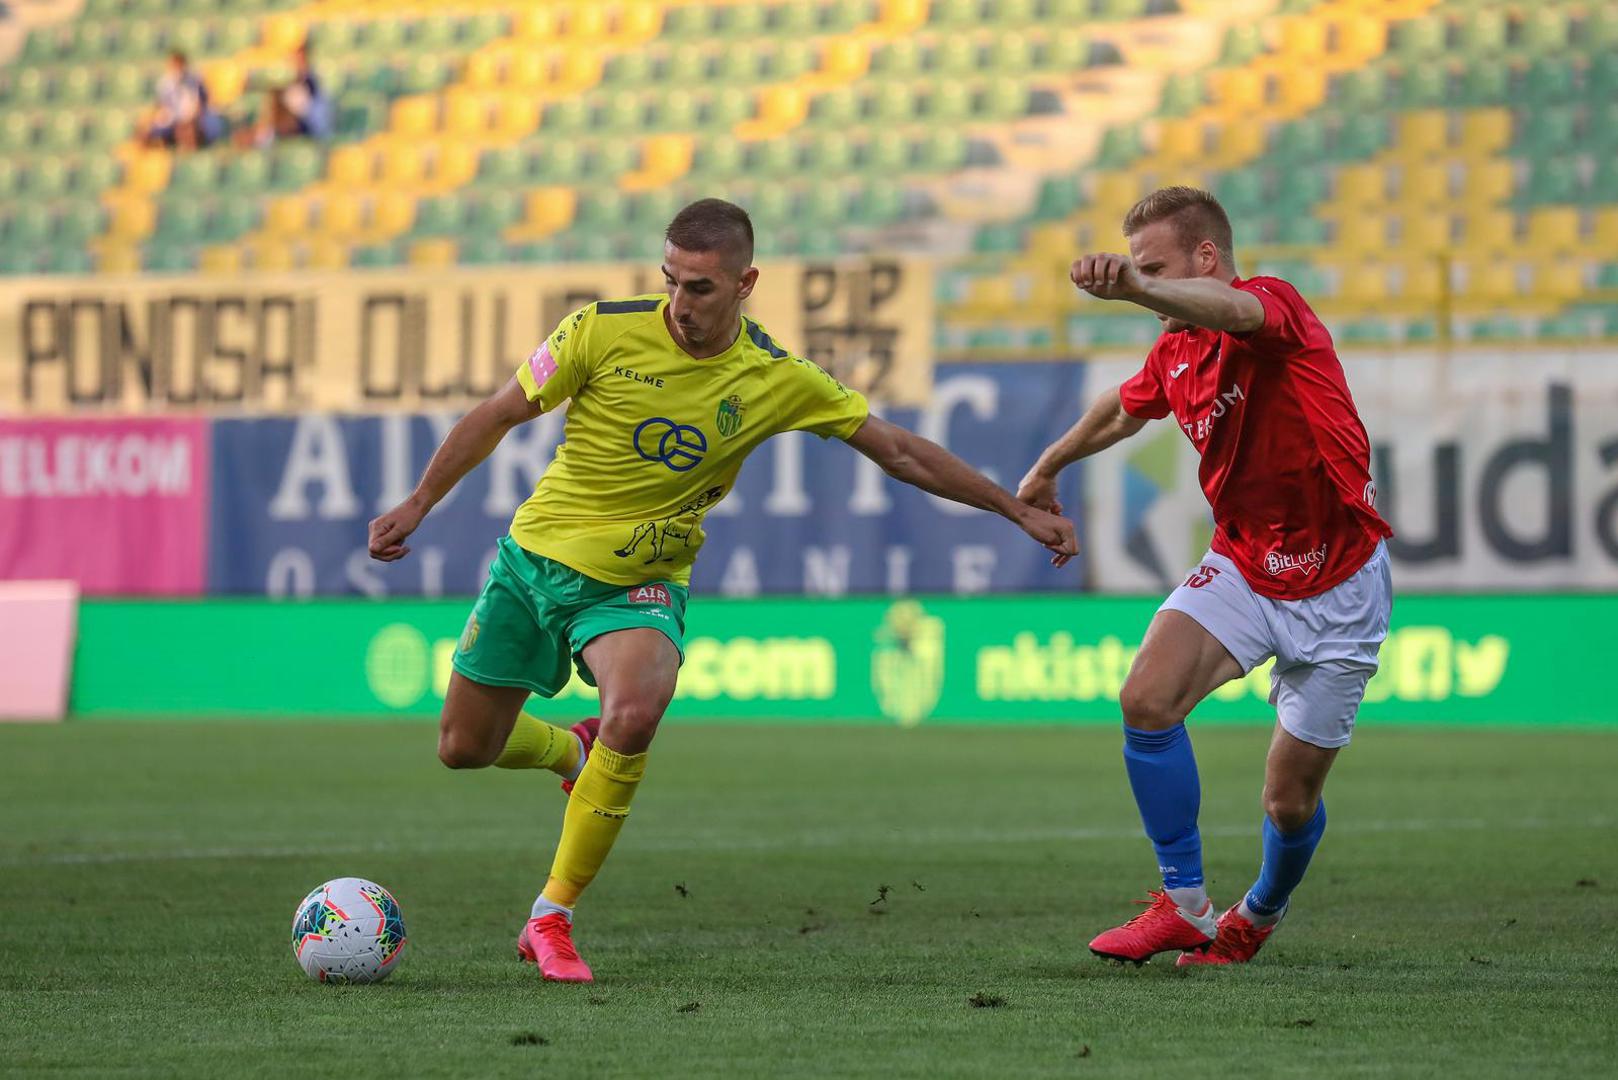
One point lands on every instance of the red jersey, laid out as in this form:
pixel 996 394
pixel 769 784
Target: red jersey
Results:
pixel 1286 464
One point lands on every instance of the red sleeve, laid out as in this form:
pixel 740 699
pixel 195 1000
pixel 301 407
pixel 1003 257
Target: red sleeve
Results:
pixel 1142 393
pixel 1286 315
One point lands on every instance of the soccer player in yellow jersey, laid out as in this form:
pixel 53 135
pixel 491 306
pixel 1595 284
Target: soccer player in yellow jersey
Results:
pixel 669 395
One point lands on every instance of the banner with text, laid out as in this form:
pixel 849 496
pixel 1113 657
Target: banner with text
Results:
pixel 364 341
pixel 1460 659
pixel 118 506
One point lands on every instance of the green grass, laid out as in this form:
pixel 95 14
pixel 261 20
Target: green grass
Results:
pixel 1461 917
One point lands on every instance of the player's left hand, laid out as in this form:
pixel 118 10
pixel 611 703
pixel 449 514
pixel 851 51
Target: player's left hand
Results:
pixel 389 532
pixel 1108 277
pixel 1056 533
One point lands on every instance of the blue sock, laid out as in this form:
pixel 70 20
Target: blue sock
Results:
pixel 1163 773
pixel 1286 857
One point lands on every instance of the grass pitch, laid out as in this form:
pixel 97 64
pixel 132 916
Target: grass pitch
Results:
pixel 798 902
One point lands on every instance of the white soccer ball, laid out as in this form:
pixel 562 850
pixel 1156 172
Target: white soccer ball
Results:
pixel 348 931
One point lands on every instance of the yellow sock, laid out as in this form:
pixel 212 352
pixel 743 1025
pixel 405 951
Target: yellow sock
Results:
pixel 595 813
pixel 534 744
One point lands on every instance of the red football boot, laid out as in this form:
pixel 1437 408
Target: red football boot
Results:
pixel 1162 927
pixel 548 942
pixel 1236 943
pixel 586 730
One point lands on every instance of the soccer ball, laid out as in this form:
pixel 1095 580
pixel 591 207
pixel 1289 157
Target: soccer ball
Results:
pixel 348 931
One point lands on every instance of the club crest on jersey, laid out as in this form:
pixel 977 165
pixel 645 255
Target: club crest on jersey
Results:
pixel 650 594
pixel 1277 563
pixel 729 417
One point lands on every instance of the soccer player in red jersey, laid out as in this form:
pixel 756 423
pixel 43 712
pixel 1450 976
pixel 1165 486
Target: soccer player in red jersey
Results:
pixel 1297 569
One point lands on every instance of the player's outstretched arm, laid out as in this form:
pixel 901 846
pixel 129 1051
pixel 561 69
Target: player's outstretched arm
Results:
pixel 1103 423
pixel 907 456
pixel 472 439
pixel 1201 301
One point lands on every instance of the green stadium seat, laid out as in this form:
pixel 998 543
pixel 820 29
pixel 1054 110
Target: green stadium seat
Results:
pixel 78 86
pixel 1423 86
pixel 494 212
pixel 1598 31
pixel 233 218
pixel 838 107
pixel 614 157
pixel 723 111
pixel 570 116
pixel 358 114
pixel 605 208
pixel 80 222
pixel 1243 42
pixel 742 21
pixel 16 131
pixel 1544 132
pixel 66 260
pixel 560 162
pixel 893 103
pixel 997 238
pixel 1603 189
pixel 954 55
pixel 1058 197
pixel 140 38
pixel 439 215
pixel 656 208
pixel 635 68
pixel 188 35
pixel 1485 82
pixel 334 37
pixel 108 127
pixel 1419 39
pixel 536 251
pixel 182 221
pixel 503 167
pixel 885 152
pixel 1543 30
pixel 1552 180
pixel 247 173
pixel 1365 90
pixel 12 176
pixel 1300 142
pixel 483 27
pixel 797 20
pixel 436 33
pixel 31 87
pixel 792 60
pixel 879 202
pixel 1182 92
pixel 125 84
pixel 483 249
pixel 954 12
pixel 774 158
pixel 1121 145
pixel 771 206
pixel 296 165
pixel 674 110
pixel 423 74
pixel 1549 81
pixel 942 150
pixel 47 178
pixel 1004 99
pixel 718 155
pixel 824 202
pixel 1011 12
pixel 1482 33
pixel 901 58
pixel 162 257
pixel 1241 192
pixel 1359 136
pixel 695 21
pixel 829 153
pixel 94 174
pixel 29 225
pixel 196 174
pixel 1601 79
pixel 234 35
pixel 1064 50
pixel 376 256
pixel 381 36
pixel 1301 229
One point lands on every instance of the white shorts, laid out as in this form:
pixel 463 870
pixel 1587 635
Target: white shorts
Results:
pixel 1325 646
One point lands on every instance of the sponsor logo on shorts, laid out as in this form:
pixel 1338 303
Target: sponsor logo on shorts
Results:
pixel 650 594
pixel 469 636
pixel 1277 563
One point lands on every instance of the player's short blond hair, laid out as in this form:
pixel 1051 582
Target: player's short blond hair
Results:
pixel 1196 214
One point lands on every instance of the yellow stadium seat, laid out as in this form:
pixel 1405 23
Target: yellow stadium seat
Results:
pixel 1360 185
pixel 1604 230
pixel 1486 183
pixel 327 255
pixel 225 80
pixel 1364 284
pixel 1181 139
pixel 403 165
pixel 287 215
pixel 282 32
pixel 433 253
pixel 414 117
pixel 587 21
pixel 1553 229
pixel 1239 141
pixel 1238 91
pixel 537 23
pixel 1423 133
pixel 528 71
pixel 580 70
pixel 1488 230
pixel 482 71
pixel 549 209
pixel 272 257
pixel 117 257
pixel 221 259
pixel 1116 189
pixel 342 214
pixel 131 217
pixel 392 213
pixel 515 115
pixel 1301 88
pixel 1424 185
pixel 454 165
pixel 1425 232
pixel 844 59
pixel 466 114
pixel 1485 282
pixel 1364 233
pixel 637 22
pixel 1424 282
pixel 148 171
pixel 1484 131
pixel 1558 279
pixel 1360 35
pixel 1303 38
pixel 350 166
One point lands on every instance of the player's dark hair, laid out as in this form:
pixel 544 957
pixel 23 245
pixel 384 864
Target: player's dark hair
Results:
pixel 1196 214
pixel 714 225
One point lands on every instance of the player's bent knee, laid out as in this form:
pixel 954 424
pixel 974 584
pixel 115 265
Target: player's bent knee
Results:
pixel 457 751
pixel 1289 810
pixel 1146 709
pixel 630 725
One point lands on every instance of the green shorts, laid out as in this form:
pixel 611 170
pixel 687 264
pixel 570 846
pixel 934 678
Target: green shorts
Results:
pixel 535 615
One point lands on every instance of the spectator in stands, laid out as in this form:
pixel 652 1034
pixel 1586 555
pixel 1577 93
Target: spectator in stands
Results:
pixel 298 110
pixel 181 117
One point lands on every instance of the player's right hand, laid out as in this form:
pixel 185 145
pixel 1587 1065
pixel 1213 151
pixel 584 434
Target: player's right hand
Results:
pixel 1058 535
pixel 389 532
pixel 1108 277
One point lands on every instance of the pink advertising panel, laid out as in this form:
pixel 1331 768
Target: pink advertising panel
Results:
pixel 117 505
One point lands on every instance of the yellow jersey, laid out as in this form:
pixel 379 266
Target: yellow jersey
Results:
pixel 654 437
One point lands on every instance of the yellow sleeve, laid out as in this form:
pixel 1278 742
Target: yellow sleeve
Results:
pixel 811 400
pixel 560 366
